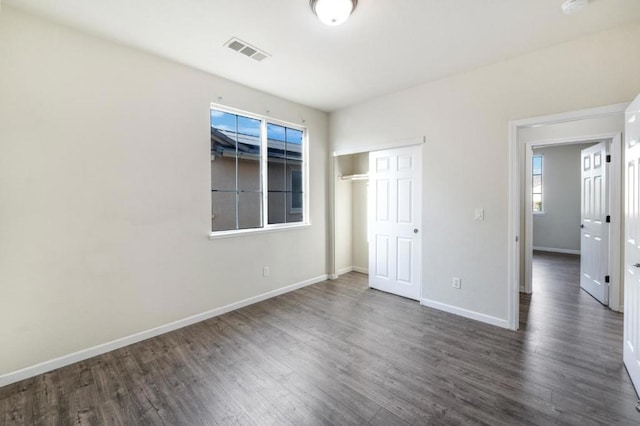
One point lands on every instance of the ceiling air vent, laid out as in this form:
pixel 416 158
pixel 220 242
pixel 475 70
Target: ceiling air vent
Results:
pixel 246 49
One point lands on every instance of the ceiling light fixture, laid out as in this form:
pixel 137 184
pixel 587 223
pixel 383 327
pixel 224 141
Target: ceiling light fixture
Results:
pixel 333 12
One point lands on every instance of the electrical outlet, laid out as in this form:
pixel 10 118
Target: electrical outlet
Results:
pixel 265 271
pixel 457 282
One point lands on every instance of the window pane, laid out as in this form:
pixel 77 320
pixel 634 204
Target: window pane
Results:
pixel 536 187
pixel 537 184
pixel 223 150
pixel 537 202
pixel 277 207
pixel 248 154
pixel 294 198
pixel 223 211
pixel 249 208
pixel 223 174
pixel 276 159
pixel 537 165
pixel 296 186
pixel 294 214
pixel 294 158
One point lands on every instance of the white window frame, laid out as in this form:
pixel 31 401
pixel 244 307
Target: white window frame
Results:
pixel 541 212
pixel 266 227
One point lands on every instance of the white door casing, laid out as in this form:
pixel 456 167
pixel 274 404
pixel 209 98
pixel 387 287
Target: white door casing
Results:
pixel 395 204
pixel 594 209
pixel 632 244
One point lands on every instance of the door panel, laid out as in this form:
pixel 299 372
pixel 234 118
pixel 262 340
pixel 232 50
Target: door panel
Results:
pixel 382 256
pixel 594 249
pixel 405 250
pixel 632 244
pixel 382 201
pixel 394 224
pixel 405 200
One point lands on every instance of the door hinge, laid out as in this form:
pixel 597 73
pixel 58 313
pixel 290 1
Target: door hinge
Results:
pixel 608 158
pixel 606 278
pixel 608 219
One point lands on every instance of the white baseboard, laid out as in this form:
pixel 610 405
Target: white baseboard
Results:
pixel 361 270
pixel 556 250
pixel 43 367
pixel 344 270
pixel 348 269
pixel 465 313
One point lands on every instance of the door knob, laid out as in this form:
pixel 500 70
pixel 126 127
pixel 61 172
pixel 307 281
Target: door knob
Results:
pixel 415 230
pixel 581 225
pixel 637 265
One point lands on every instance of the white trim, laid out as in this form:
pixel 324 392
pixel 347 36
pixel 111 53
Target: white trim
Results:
pixel 253 231
pixel 465 313
pixel 361 270
pixel 513 232
pixel 43 367
pixel 513 237
pixel 348 269
pixel 563 117
pixel 556 250
pixel 380 147
pixel 331 219
pixel 344 270
pixel 616 230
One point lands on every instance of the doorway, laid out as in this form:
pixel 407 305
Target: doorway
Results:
pixel 350 205
pixel 569 193
pixel 596 124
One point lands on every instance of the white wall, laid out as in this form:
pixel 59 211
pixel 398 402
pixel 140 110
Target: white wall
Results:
pixel 465 120
pixel 105 194
pixel 558 227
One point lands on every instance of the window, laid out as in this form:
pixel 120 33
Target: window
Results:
pixel 536 194
pixel 257 172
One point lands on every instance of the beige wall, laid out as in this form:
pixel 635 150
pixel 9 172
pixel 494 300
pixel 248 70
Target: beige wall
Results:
pixel 359 195
pixel 352 250
pixel 465 121
pixel 105 195
pixel 343 214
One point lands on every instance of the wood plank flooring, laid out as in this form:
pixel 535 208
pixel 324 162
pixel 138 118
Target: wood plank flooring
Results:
pixel 339 353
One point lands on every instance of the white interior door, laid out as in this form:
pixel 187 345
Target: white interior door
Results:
pixel 594 241
pixel 395 202
pixel 632 244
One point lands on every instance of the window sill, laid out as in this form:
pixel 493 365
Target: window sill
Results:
pixel 539 213
pixel 245 232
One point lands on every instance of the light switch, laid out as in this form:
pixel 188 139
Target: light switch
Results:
pixel 479 213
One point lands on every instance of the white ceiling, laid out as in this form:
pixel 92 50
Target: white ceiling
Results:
pixel 386 45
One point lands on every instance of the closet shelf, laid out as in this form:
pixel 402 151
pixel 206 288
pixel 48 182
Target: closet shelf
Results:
pixel 363 176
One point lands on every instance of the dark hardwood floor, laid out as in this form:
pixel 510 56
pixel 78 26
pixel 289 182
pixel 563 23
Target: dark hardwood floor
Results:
pixel 339 353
